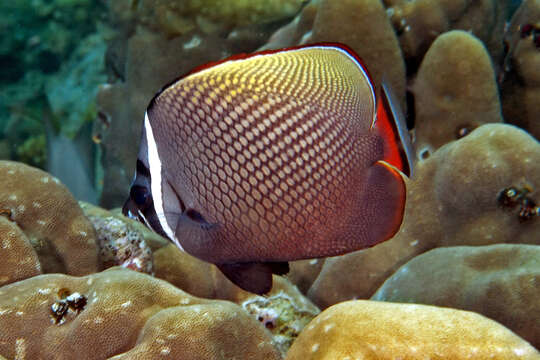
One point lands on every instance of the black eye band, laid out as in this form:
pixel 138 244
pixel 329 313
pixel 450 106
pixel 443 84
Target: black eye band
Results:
pixel 140 195
pixel 142 169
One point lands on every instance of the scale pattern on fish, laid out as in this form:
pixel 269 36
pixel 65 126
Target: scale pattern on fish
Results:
pixel 265 158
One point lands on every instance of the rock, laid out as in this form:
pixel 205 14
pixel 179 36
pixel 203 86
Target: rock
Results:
pixel 501 282
pixel 452 200
pixel 378 330
pixel 520 89
pixel 48 215
pixel 123 314
pixel 152 239
pixel 455 91
pixel 120 244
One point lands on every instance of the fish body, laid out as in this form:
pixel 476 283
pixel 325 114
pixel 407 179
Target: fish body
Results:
pixel 277 156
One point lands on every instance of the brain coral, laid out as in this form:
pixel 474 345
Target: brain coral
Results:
pixel 452 200
pixel 499 281
pixel 49 217
pixel 19 259
pixel 378 330
pixel 124 315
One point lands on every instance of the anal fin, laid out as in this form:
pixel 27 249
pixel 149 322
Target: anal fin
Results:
pixel 253 276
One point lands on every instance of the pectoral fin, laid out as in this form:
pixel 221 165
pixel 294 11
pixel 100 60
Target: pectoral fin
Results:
pixel 254 277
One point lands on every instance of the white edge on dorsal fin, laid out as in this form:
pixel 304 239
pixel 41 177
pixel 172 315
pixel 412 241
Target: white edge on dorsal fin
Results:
pixel 401 124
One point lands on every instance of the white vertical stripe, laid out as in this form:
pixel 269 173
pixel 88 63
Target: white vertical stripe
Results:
pixel 154 163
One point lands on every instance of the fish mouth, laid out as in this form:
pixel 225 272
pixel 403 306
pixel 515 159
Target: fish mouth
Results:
pixel 147 217
pixel 131 211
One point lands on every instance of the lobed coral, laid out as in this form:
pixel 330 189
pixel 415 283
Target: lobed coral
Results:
pixel 378 330
pixel 499 281
pixel 520 87
pixel 50 218
pixel 127 315
pixel 418 23
pixel 455 91
pixel 364 26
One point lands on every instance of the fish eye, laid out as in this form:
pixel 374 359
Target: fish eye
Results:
pixel 140 195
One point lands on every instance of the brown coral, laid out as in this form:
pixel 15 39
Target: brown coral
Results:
pixel 364 26
pixel 127 315
pixel 501 282
pixel 50 218
pixel 452 200
pixel 521 86
pixel 19 259
pixel 419 22
pixel 378 330
pixel 284 310
pixel 455 91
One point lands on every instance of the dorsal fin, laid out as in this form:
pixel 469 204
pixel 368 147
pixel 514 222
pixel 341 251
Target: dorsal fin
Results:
pixel 392 127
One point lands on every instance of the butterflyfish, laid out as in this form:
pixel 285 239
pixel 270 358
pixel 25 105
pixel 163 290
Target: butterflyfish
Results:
pixel 265 158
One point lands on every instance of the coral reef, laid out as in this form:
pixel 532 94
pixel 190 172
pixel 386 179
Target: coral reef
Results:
pixel 418 23
pixel 175 18
pixel 120 244
pixel 378 330
pixel 297 31
pixel 364 26
pixel 19 259
pixel 452 200
pixel 284 310
pixel 497 281
pixel 455 91
pixel 521 86
pixel 40 37
pixel 469 239
pixel 153 240
pixel 280 314
pixel 127 315
pixel 51 219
